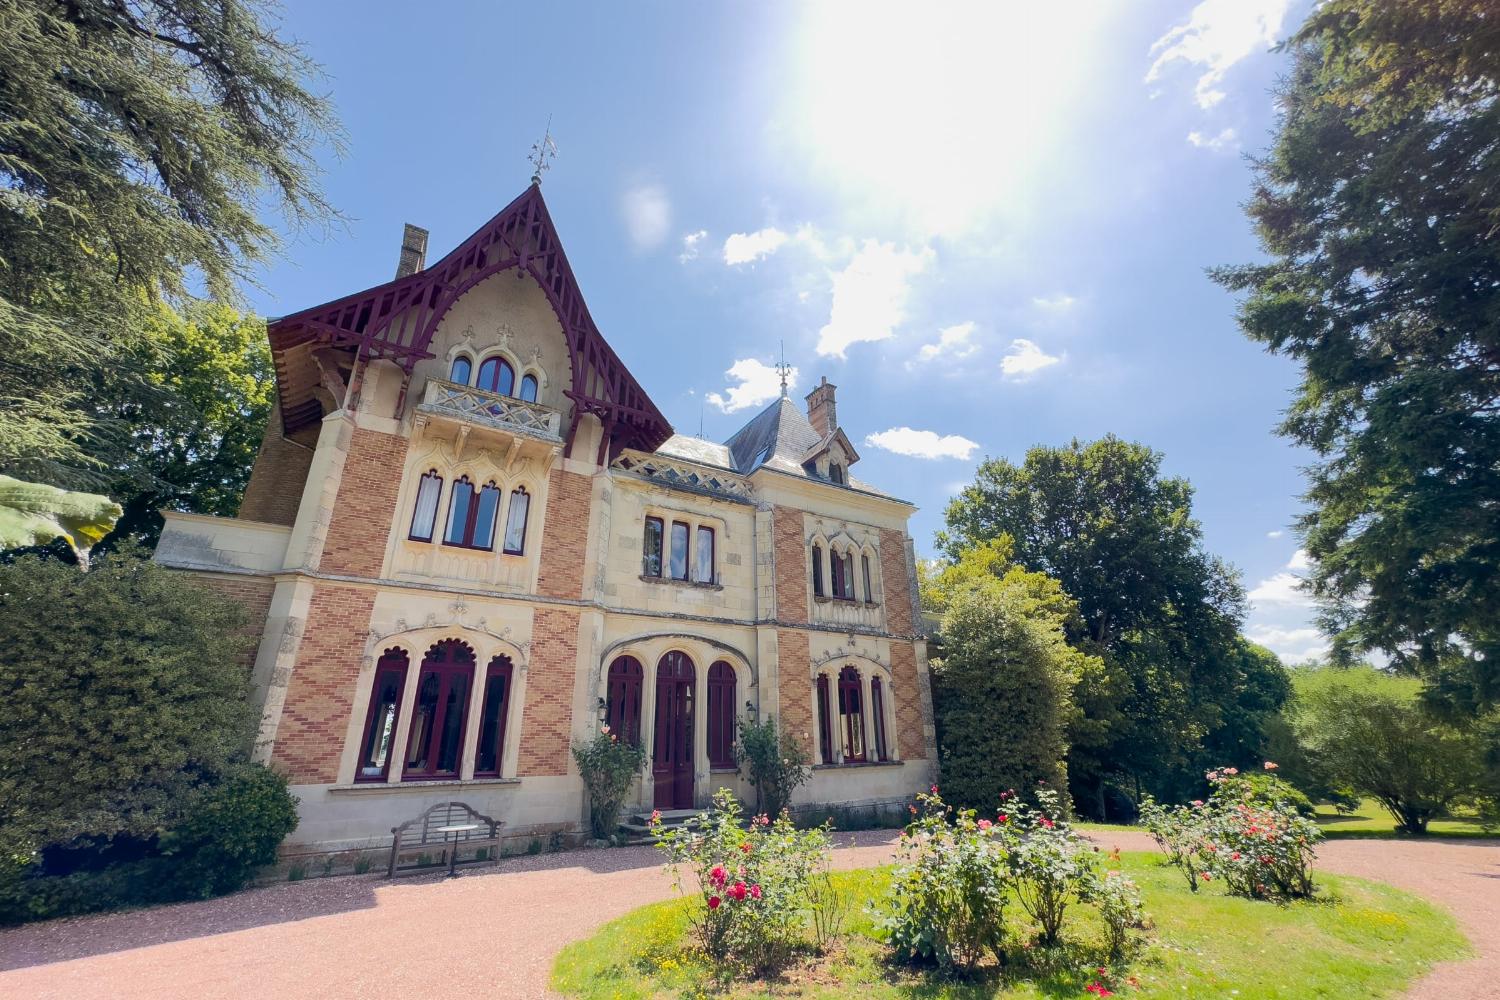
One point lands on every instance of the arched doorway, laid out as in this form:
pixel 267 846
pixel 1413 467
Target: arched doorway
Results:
pixel 672 754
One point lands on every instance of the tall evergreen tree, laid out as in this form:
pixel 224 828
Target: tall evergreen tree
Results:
pixel 1379 206
pixel 137 141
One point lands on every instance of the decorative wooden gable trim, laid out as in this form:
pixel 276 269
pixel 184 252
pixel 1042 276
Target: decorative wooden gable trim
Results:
pixel 397 321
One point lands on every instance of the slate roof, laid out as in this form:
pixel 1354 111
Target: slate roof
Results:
pixel 780 437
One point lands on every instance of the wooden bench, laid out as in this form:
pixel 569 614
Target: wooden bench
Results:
pixel 425 835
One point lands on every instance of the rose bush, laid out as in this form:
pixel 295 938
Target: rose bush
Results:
pixel 752 882
pixel 947 898
pixel 1052 867
pixel 608 766
pixel 1248 834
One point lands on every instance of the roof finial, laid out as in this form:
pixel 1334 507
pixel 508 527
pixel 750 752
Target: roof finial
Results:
pixel 542 153
pixel 783 369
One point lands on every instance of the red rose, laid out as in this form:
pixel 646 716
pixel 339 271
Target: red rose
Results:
pixel 738 891
pixel 713 902
pixel 717 876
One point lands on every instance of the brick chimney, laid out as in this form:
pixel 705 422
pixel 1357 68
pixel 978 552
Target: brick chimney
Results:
pixel 413 251
pixel 820 411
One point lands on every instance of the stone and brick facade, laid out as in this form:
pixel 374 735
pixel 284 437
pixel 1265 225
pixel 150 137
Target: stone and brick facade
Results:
pixel 458 569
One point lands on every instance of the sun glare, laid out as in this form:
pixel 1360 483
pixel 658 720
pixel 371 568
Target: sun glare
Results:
pixel 938 113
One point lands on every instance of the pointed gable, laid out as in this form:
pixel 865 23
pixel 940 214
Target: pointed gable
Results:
pixel 397 321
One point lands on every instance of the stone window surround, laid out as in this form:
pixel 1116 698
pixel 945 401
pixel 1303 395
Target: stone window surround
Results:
pixel 478 356
pixel 841 544
pixel 486 648
pixel 694 520
pixel 867 671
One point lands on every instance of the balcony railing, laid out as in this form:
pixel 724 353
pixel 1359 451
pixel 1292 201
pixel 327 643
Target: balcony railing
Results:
pixel 490 409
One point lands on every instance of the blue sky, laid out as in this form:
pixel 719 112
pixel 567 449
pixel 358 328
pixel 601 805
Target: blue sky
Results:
pixel 987 222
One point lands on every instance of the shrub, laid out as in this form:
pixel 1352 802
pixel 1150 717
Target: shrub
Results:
pixel 1002 690
pixel 121 691
pixel 1247 834
pixel 947 898
pixel 1119 903
pixel 1367 729
pixel 608 766
pixel 231 829
pixel 752 882
pixel 1052 867
pixel 777 762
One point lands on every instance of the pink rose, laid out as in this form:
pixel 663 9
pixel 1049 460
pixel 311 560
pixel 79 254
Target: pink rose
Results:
pixel 717 876
pixel 755 892
pixel 985 824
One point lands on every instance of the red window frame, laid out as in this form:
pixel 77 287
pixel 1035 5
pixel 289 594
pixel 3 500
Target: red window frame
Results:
pixel 864 563
pixel 687 552
pixel 622 711
pixel 392 665
pixel 817 570
pixel 430 474
pixel 721 715
pixel 519 550
pixel 705 537
pixel 492 717
pixel 493 382
pixel 475 502
pixel 877 717
pixel 654 563
pixel 447 661
pixel 852 715
pixel 825 723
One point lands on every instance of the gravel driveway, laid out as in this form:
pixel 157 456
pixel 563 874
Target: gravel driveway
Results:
pixel 494 932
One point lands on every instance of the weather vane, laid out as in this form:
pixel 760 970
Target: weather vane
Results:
pixel 542 153
pixel 783 369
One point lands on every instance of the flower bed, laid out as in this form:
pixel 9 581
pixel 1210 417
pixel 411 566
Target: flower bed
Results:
pixel 1371 941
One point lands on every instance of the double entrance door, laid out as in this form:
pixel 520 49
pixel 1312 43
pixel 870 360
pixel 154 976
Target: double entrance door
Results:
pixel 672 751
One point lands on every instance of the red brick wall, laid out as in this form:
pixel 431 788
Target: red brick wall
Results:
pixel 795 673
pixel 895 578
pixel 278 477
pixel 908 694
pixel 546 725
pixel 565 534
pixel 253 593
pixel 315 717
pixel 366 504
pixel 790 547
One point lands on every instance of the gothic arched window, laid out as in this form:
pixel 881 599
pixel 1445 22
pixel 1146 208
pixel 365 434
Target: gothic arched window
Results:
pixel 721 717
pixel 528 388
pixel 461 370
pixel 496 375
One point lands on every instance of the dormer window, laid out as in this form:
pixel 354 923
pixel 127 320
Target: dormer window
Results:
pixel 835 473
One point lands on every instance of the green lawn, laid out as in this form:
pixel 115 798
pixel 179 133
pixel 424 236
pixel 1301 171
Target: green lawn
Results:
pixel 1371 820
pixel 1363 939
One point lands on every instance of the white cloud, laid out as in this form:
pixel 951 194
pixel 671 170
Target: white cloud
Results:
pixel 648 215
pixel 1058 303
pixel 742 248
pixel 1225 140
pixel 869 296
pixel 1299 561
pixel 953 342
pixel 1293 645
pixel 690 243
pixel 1217 35
pixel 1275 534
pixel 758 383
pixel 922 444
pixel 1025 360
pixel 1282 588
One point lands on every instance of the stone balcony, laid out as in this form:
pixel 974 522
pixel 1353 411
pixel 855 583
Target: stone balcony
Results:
pixel 469 409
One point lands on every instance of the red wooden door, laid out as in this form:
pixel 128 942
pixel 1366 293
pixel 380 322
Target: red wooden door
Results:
pixel 672 756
